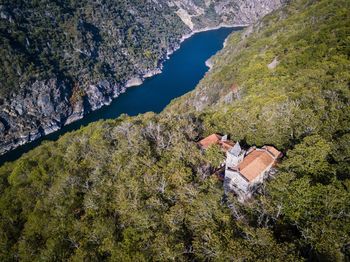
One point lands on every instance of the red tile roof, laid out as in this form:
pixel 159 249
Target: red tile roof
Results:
pixel 215 139
pixel 273 151
pixel 210 140
pixel 226 145
pixel 257 162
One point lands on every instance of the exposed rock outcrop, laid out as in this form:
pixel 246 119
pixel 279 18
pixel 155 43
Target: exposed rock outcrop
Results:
pixel 273 64
pixel 199 14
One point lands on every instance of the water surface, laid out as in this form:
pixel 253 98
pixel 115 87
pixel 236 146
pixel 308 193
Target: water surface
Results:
pixel 181 73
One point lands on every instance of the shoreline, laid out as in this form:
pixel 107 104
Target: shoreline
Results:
pixel 184 38
pixel 138 80
pixel 208 28
pixel 209 62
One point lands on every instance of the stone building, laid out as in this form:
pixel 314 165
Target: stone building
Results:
pixel 244 170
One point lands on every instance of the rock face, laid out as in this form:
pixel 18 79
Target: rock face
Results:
pixel 135 81
pixel 35 111
pixel 197 14
pixel 43 103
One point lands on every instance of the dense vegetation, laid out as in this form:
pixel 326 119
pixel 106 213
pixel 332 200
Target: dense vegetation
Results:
pixel 82 41
pixel 139 189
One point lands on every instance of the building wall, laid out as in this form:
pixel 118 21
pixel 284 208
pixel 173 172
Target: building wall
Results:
pixel 232 161
pixel 234 180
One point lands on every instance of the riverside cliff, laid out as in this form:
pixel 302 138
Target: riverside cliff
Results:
pixel 62 61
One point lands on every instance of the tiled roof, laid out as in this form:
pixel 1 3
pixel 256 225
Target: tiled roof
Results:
pixel 226 145
pixel 255 164
pixel 272 150
pixel 210 140
pixel 216 139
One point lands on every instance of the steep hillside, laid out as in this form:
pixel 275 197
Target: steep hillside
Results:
pixel 281 79
pixel 139 188
pixel 61 59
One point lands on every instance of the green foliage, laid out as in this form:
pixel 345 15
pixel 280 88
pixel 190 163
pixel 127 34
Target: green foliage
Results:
pixel 311 158
pixel 317 212
pixel 215 155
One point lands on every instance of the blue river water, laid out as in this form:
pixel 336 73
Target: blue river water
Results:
pixel 181 73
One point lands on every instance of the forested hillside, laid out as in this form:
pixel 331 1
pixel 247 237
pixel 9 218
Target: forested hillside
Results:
pixel 139 188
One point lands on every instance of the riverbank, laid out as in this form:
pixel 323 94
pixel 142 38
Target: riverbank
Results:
pixel 170 50
pixel 209 62
pixel 139 79
pixel 184 37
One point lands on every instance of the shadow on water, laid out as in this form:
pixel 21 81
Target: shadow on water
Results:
pixel 181 73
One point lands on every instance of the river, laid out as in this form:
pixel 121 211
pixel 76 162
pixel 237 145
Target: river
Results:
pixel 181 73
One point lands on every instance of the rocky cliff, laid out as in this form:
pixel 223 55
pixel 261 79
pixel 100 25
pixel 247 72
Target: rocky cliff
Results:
pixel 60 61
pixel 211 13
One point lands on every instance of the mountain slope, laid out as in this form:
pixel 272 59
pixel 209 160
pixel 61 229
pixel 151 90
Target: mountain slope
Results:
pixel 61 59
pixel 139 188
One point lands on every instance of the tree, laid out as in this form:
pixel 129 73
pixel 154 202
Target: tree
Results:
pixel 311 158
